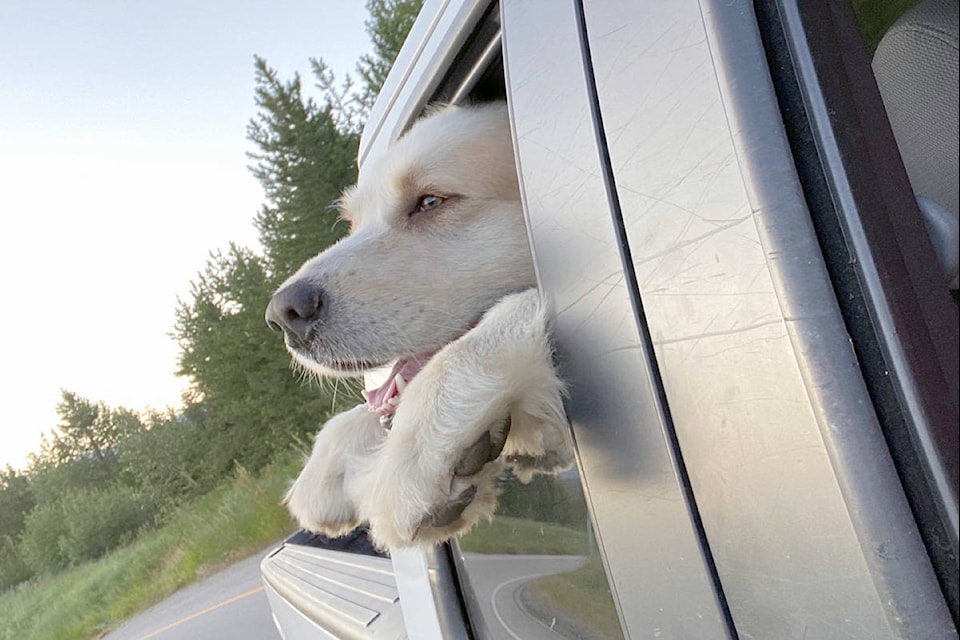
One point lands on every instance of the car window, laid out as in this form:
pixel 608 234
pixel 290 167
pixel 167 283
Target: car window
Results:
pixel 914 58
pixel 535 571
pixel 876 17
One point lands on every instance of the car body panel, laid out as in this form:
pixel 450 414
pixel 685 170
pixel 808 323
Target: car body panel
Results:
pixel 763 386
pixel 344 595
pixel 663 584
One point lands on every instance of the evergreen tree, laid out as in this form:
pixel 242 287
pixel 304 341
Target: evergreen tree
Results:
pixel 245 402
pixel 388 26
pixel 303 161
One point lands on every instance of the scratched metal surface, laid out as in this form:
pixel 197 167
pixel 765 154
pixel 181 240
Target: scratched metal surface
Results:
pixel 785 458
pixel 644 526
pixel 758 466
pixel 780 443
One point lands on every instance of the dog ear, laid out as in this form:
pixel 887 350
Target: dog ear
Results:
pixel 430 110
pixel 342 204
pixel 436 107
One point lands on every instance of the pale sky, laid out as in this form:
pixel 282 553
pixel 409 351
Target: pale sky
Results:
pixel 122 142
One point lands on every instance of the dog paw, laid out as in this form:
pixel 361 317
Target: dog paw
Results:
pixel 526 467
pixel 540 442
pixel 417 499
pixel 486 449
pixel 322 499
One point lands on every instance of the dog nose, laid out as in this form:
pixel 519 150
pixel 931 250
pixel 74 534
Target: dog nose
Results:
pixel 294 309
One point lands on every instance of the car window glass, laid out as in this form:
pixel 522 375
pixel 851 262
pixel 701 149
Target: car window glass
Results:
pixel 914 58
pixel 876 16
pixel 535 571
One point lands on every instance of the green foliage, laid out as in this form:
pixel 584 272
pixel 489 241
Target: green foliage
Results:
pixel 242 515
pixel 78 461
pixel 40 545
pixel 49 480
pixel 163 460
pixel 388 26
pixel 225 352
pixel 99 520
pixel 220 330
pixel 340 99
pixel 82 451
pixel 16 500
pixel 303 161
pixel 246 404
pixel 87 429
pixel 13 570
pixel 81 525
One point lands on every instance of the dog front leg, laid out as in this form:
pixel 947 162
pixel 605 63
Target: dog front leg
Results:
pixel 493 391
pixel 324 497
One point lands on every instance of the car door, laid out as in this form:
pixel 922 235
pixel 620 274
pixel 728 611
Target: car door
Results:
pixel 731 447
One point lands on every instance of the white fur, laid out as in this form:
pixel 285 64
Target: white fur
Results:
pixel 406 282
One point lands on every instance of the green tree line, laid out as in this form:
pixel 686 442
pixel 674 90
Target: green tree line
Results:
pixel 106 473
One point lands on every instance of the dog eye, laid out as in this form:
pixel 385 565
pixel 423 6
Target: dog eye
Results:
pixel 428 203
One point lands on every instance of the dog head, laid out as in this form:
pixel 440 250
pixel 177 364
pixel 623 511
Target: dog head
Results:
pixel 436 238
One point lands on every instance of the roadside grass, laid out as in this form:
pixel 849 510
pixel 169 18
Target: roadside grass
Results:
pixel 584 598
pixel 583 595
pixel 238 518
pixel 517 536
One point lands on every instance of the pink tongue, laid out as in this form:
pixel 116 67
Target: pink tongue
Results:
pixel 383 399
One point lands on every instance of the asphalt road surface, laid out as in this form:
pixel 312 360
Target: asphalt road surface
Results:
pixel 232 605
pixel 498 581
pixel 229 605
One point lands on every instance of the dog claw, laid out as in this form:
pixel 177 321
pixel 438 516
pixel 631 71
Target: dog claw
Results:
pixel 449 512
pixel 484 450
pixel 446 484
pixel 500 439
pixel 475 457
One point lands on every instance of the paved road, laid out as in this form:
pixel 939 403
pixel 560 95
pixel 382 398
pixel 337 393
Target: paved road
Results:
pixel 498 582
pixel 229 605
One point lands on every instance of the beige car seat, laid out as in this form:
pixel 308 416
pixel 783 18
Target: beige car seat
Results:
pixel 916 66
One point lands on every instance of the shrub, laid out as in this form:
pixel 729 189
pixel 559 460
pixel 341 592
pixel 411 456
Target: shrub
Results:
pixel 13 570
pixel 99 520
pixel 40 543
pixel 81 525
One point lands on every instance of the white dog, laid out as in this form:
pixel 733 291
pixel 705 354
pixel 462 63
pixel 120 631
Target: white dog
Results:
pixel 436 277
